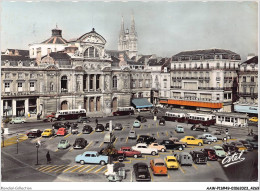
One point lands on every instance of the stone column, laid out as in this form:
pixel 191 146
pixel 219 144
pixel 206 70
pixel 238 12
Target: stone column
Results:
pixel 26 107
pixel 14 107
pixel 88 79
pixel 94 82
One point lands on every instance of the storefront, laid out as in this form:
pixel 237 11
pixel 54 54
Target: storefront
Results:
pixel 231 119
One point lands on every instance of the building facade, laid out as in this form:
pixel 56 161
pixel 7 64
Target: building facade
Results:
pixel 248 87
pixel 203 80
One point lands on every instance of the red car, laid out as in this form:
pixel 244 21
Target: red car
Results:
pixel 210 153
pixel 62 131
pixel 129 152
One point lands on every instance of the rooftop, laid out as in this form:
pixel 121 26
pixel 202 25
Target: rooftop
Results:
pixel 252 60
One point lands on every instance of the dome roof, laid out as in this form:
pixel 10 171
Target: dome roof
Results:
pixel 56 37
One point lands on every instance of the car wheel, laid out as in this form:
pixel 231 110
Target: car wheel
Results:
pixel 82 162
pixel 135 156
pixel 163 150
pixel 180 148
pixel 205 130
pixel 200 144
pixel 102 163
pixel 215 140
pixel 22 122
pixel 209 142
pixel 194 129
pixel 153 153
pixel 228 137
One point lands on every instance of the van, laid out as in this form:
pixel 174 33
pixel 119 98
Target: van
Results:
pixel 109 137
pixel 184 158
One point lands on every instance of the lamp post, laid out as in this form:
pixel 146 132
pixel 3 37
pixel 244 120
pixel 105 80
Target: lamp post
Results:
pixel 17 139
pixel 110 141
pixel 37 147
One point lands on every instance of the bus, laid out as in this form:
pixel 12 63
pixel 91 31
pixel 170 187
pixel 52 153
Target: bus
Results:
pixel 70 114
pixel 203 119
pixel 179 117
pixel 124 111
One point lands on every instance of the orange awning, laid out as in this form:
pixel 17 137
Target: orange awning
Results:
pixel 193 103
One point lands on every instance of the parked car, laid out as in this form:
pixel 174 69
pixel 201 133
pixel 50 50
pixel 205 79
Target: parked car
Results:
pixel 160 148
pixel 87 129
pixel 253 142
pixel 171 162
pixel 254 119
pixel 177 142
pixel 240 147
pixel 162 121
pixel 141 172
pixel 179 129
pixel 143 148
pixel 57 125
pixel 63 144
pixel 230 149
pixel 190 140
pixel 158 167
pixel 210 154
pixel 17 120
pixel 109 137
pixel 33 133
pixel 48 133
pixel 132 134
pixel 107 127
pixel 83 119
pixel 74 128
pixel 219 151
pixel 198 127
pixel 62 131
pixel 141 118
pixel 145 139
pixel 92 157
pixel 184 158
pixel 80 143
pixel 171 145
pixel 129 152
pixel 136 124
pixel 220 134
pixel 248 146
pixel 198 157
pixel 99 128
pixel 208 137
pixel 118 126
pixel 67 124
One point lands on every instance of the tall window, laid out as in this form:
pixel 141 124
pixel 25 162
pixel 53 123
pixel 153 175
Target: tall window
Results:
pixel 64 85
pixel 51 87
pixel 31 84
pixel 244 78
pixel 201 66
pixel 252 90
pixel 195 66
pixel 7 87
pixel 225 65
pixel 174 67
pixel 114 82
pixel 140 84
pixel 184 66
pixel 20 85
pixel 91 52
pixel 244 89
pixel 252 79
pixel 190 65
pixel 218 65
pixel 207 65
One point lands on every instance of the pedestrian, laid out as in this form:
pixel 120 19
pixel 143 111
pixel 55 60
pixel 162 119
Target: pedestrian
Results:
pixel 251 132
pixel 96 121
pixel 48 157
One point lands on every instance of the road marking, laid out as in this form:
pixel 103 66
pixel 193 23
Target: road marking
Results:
pixel 56 150
pixel 51 138
pixel 158 134
pixel 126 140
pixel 101 144
pixel 195 166
pixel 183 171
pixel 61 169
pixel 79 134
pixel 148 133
pixel 103 131
pixel 71 149
pixel 56 168
pixel 67 135
pixel 151 174
pixel 46 169
pixel 104 171
pixel 174 132
pixel 81 170
pixel 43 167
pixel 149 126
pixel 91 133
pixel 169 176
pixel 70 168
pixel 142 158
pixel 157 125
pixel 115 141
pixel 141 127
pixel 138 136
pixel 167 133
pixel 91 169
pixel 166 153
pixel 208 164
pixel 88 145
pixel 75 169
pixel 123 129
pixel 98 170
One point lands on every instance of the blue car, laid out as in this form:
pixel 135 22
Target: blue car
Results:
pixel 179 129
pixel 92 157
pixel 136 124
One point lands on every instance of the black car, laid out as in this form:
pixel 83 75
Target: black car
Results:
pixel 74 128
pixel 99 128
pixel 145 139
pixel 171 145
pixel 87 129
pixel 34 133
pixel 230 148
pixel 83 119
pixel 57 125
pixel 141 172
pixel 162 121
pixel 253 142
pixel 107 127
pixel 67 124
pixel 248 146
pixel 80 143
pixel 118 126
pixel 142 119
pixel 198 157
pixel 198 127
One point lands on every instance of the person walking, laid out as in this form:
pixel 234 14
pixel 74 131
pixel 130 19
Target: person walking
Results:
pixel 48 157
pixel 96 121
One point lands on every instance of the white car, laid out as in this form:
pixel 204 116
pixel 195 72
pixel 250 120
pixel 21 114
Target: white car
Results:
pixel 209 137
pixel 144 149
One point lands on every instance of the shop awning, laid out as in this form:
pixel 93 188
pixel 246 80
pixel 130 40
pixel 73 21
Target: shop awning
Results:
pixel 141 103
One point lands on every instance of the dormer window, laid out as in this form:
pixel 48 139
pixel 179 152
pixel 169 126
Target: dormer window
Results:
pixel 91 52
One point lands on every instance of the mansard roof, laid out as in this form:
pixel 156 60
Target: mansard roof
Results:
pixel 252 60
pixel 20 52
pixel 59 56
pixel 14 58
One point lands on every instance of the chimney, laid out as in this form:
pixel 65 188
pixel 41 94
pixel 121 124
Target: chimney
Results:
pixel 38 55
pixel 251 55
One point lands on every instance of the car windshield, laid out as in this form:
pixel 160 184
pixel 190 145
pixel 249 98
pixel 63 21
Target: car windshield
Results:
pixel 159 164
pixel 142 169
pixel 171 160
pixel 74 127
pixel 47 131
pixel 62 141
pixel 219 149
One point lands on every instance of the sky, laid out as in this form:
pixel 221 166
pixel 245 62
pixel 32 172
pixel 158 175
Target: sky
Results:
pixel 163 28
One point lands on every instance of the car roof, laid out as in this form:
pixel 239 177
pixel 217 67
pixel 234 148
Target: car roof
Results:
pixel 217 147
pixel 80 138
pixel 170 157
pixel 188 137
pixel 61 128
pixel 198 152
pixel 158 160
pixel 140 164
pixel 141 144
pixel 34 129
pixel 125 147
pixel 184 153
pixel 47 129
pixel 90 152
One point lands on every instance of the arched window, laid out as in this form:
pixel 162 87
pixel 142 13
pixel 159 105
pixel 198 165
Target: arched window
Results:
pixel 51 87
pixel 91 52
pixel 114 82
pixel 64 84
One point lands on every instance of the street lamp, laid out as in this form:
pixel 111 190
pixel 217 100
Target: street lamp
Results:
pixel 17 139
pixel 37 147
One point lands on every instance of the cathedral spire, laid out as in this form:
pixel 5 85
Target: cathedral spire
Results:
pixel 122 32
pixel 132 31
